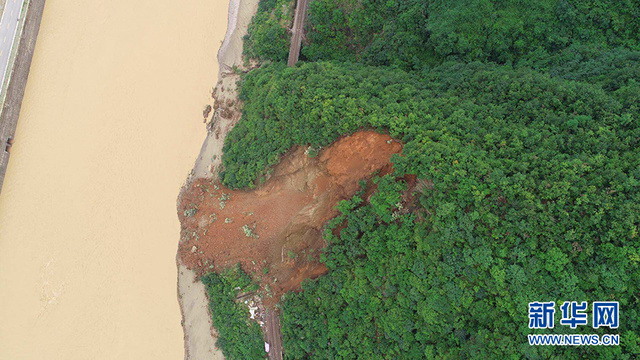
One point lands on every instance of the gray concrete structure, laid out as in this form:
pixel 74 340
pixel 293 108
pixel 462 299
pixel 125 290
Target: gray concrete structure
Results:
pixel 18 65
pixel 8 28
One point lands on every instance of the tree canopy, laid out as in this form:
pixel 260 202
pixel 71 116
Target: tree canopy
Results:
pixel 522 117
pixel 535 195
pixel 412 34
pixel 238 337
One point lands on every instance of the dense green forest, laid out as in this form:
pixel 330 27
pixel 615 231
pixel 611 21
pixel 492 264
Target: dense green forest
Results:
pixel 238 337
pixel 412 34
pixel 535 195
pixel 268 38
pixel 523 116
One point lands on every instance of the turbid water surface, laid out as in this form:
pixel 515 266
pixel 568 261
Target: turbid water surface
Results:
pixel 110 126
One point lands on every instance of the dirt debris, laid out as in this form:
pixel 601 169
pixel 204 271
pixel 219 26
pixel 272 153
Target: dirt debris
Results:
pixel 275 230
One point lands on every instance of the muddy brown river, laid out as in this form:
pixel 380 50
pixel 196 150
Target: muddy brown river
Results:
pixel 110 126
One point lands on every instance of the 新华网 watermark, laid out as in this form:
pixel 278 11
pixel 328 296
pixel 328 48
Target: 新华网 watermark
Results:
pixel 574 314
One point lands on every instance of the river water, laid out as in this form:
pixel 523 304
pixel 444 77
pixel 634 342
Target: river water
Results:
pixel 110 126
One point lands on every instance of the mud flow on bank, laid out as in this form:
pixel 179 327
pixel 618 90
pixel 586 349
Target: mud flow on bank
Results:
pixel 275 230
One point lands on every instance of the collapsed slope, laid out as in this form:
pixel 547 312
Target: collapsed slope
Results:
pixel 275 230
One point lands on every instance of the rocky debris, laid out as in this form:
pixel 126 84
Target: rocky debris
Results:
pixel 206 112
pixel 257 311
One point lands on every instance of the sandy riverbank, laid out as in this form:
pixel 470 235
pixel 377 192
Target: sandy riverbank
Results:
pixel 199 337
pixel 110 123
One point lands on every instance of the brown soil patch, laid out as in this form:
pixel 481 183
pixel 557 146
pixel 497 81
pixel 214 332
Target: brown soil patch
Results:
pixel 278 226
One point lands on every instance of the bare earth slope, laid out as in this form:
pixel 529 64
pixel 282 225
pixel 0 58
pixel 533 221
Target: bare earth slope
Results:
pixel 278 226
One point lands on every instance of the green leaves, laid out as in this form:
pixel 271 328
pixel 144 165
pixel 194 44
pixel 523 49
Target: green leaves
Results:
pixel 412 34
pixel 268 38
pixel 238 336
pixel 533 195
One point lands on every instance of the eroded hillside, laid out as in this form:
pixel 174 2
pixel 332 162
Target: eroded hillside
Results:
pixel 275 230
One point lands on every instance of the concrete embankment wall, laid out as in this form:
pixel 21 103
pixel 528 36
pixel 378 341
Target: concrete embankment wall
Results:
pixel 18 81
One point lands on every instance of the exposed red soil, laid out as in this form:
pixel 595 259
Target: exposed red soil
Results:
pixel 285 215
